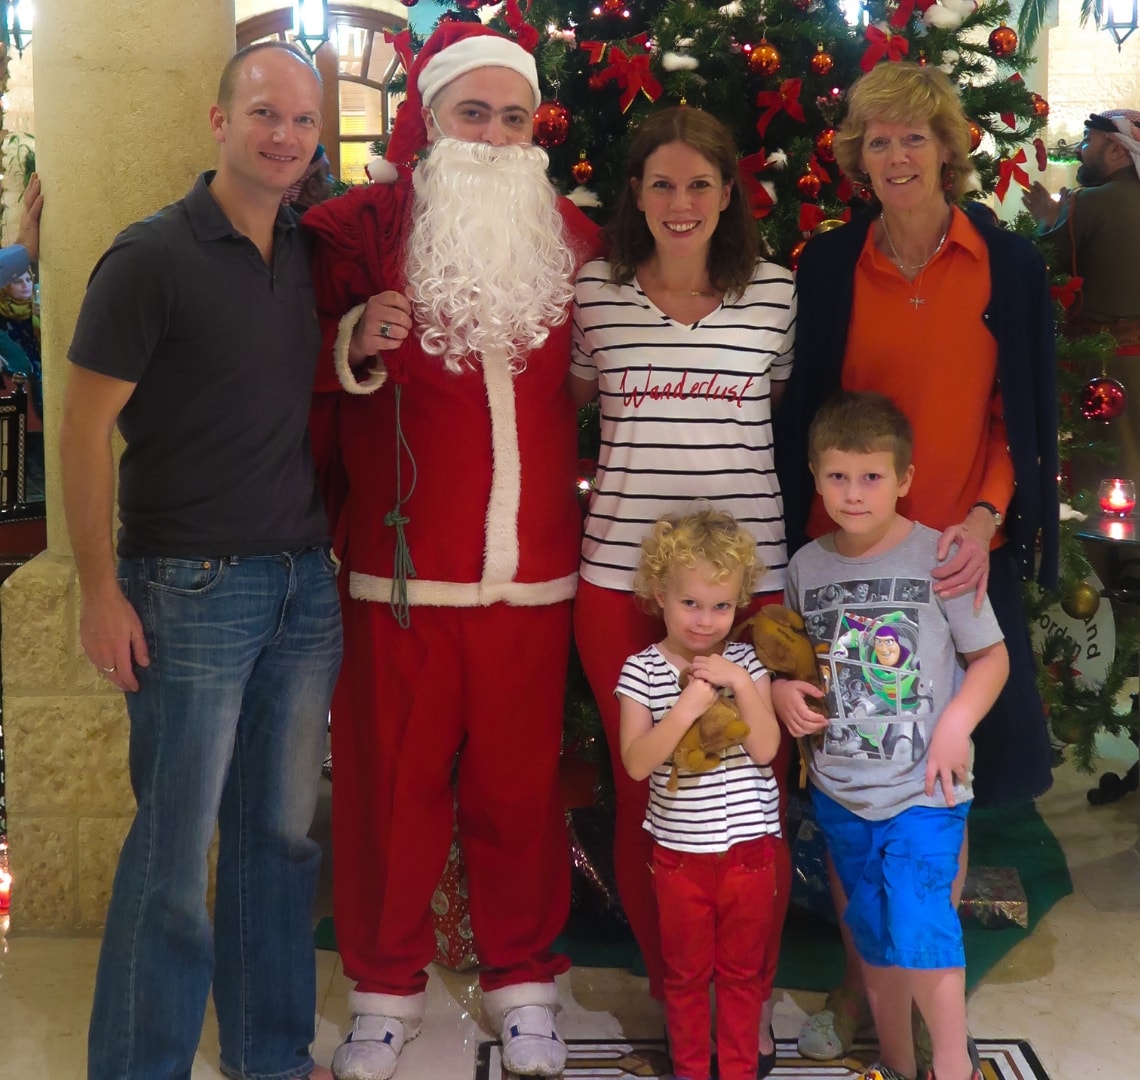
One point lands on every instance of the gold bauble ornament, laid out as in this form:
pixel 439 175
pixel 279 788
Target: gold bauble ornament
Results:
pixel 1082 602
pixel 764 59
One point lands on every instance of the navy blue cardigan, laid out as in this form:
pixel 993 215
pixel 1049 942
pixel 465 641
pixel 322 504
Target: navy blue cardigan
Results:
pixel 1019 316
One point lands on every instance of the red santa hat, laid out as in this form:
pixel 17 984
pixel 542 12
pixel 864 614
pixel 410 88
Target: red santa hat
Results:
pixel 454 49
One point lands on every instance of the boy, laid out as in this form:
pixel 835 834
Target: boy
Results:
pixel 894 814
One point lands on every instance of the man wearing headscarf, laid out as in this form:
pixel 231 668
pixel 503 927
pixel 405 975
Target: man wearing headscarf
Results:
pixel 450 464
pixel 1096 233
pixel 1097 227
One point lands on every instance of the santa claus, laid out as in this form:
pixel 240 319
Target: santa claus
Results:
pixel 451 464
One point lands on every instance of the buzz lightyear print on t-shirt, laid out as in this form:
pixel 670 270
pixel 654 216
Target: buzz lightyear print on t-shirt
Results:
pixel 867 637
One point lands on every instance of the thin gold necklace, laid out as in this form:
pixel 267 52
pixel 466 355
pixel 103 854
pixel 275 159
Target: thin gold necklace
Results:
pixel 920 267
pixel 680 292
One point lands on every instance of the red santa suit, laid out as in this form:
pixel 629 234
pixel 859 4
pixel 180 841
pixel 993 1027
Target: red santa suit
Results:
pixel 468 481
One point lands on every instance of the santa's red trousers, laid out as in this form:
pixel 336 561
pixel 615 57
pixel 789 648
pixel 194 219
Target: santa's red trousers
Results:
pixel 609 627
pixel 485 684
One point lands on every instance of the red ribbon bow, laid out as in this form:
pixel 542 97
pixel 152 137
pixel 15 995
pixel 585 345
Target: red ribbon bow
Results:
pixel 1007 117
pixel 632 74
pixel 883 43
pixel 525 34
pixel 750 167
pixel 812 216
pixel 816 169
pixel 1066 294
pixel 1010 169
pixel 906 9
pixel 402 45
pixel 595 50
pixel 772 101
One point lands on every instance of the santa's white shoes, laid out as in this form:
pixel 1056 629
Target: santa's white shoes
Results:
pixel 373 1047
pixel 524 1017
pixel 531 1043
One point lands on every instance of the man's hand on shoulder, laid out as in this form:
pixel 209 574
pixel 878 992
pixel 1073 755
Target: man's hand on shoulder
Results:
pixel 28 234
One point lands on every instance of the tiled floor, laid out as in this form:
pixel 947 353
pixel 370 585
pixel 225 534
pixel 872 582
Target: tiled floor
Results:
pixel 1072 989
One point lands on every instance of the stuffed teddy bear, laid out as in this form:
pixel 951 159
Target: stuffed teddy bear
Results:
pixel 717 728
pixel 783 647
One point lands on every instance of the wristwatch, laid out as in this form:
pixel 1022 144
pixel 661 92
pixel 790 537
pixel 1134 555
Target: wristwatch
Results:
pixel 998 517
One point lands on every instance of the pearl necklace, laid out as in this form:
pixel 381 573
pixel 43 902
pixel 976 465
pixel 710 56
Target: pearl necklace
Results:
pixel 920 267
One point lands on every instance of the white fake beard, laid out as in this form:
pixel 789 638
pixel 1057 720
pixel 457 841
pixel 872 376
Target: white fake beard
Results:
pixel 488 265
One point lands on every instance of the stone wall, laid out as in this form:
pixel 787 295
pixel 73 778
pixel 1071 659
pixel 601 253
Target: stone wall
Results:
pixel 121 129
pixel 66 737
pixel 1086 73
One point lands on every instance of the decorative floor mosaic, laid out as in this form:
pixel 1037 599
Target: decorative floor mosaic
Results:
pixel 1002 1059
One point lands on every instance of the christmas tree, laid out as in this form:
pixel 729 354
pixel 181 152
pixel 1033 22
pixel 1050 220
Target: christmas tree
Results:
pixel 777 72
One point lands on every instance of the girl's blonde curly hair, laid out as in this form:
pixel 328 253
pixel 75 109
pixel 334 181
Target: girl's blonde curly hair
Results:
pixel 712 537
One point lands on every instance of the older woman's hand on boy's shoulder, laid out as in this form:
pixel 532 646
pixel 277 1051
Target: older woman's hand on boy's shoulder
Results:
pixel 969 568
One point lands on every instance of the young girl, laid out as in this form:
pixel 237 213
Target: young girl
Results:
pixel 715 837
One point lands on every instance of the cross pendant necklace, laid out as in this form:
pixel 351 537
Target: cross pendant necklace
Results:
pixel 916 300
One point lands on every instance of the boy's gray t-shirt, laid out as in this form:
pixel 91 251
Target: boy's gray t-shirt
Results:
pixel 888 657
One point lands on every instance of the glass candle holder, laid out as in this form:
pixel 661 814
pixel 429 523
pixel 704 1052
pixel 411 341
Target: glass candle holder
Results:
pixel 1117 497
pixel 5 880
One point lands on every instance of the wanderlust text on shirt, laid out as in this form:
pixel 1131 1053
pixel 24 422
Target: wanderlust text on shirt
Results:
pixel 710 389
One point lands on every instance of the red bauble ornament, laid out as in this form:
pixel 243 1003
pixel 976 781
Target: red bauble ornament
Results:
pixel 1103 399
pixel 825 145
pixel 795 253
pixel 596 81
pixel 551 124
pixel 1003 41
pixel 613 7
pixel 471 5
pixel 582 170
pixel 1040 105
pixel 975 135
pixel 409 3
pixel 808 185
pixel 764 59
pixel 922 61
pixel 823 61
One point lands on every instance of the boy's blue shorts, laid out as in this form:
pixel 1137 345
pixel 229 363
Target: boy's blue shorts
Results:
pixel 897 874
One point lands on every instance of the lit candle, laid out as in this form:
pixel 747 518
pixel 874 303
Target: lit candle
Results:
pixel 1117 497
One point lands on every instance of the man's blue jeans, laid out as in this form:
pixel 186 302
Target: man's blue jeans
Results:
pixel 228 726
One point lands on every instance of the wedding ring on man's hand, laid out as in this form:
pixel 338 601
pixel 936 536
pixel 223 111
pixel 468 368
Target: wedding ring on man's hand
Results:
pixel 385 329
pixel 108 670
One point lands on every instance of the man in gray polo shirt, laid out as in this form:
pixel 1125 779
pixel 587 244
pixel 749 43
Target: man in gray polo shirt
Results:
pixel 198 337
